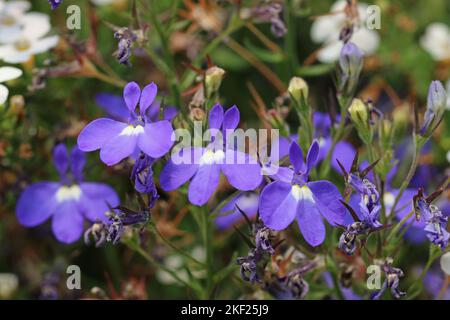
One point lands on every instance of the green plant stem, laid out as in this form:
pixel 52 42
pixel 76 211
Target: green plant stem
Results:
pixel 207 242
pixel 417 148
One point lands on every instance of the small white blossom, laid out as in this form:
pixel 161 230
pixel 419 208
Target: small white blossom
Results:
pixel 6 74
pixel 436 41
pixel 326 30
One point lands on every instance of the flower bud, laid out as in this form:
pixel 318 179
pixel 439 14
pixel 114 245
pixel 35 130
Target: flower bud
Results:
pixel 436 102
pixel 350 65
pixel 213 80
pixel 298 89
pixel 358 111
pixel 359 114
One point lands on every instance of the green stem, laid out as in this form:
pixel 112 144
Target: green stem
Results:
pixel 415 162
pixel 207 242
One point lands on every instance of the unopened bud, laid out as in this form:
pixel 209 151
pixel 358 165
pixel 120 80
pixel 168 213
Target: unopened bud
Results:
pixel 213 80
pixel 436 102
pixel 298 89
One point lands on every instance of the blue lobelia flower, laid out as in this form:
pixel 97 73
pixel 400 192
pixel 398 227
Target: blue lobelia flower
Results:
pixel 118 140
pixel 69 201
pixel 55 3
pixel 117 109
pixel 229 215
pixel 284 200
pixel 203 166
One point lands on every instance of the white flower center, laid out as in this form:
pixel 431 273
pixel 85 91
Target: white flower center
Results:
pixel 211 157
pixel 66 193
pixel 132 130
pixel 389 199
pixel 302 193
pixel 22 45
pixel 7 21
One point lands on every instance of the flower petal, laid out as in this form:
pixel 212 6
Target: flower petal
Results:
pixel 246 201
pixel 4 92
pixel 277 205
pixel 310 221
pixel 131 95
pixel 157 138
pixel 204 184
pixel 114 105
pixel 37 203
pixel 147 97
pixel 231 118
pixel 96 200
pixel 242 172
pixel 9 73
pixel 118 148
pixel 61 159
pixel 327 196
pixel 344 152
pixel 174 175
pixel 97 133
pixel 216 117
pixel 67 222
pixel 312 155
pixel 296 156
pixel 77 161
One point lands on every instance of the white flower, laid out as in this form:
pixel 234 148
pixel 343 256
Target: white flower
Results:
pixel 103 2
pixel 447 88
pixel 6 74
pixel 445 263
pixel 436 41
pixel 11 13
pixel 29 39
pixel 326 30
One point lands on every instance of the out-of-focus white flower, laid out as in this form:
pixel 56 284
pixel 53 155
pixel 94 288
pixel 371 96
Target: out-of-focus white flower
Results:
pixel 29 40
pixel 436 41
pixel 11 13
pixel 6 74
pixel 106 2
pixel 8 285
pixel 445 263
pixel 326 30
pixel 447 88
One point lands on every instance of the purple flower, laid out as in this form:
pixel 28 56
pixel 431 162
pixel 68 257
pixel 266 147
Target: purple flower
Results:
pixel 204 165
pixel 391 281
pixel 435 221
pixel 117 109
pixel 284 200
pixel 118 140
pixel 351 61
pixel 55 3
pixel 230 215
pixel 434 282
pixel 436 102
pixel 68 201
pixel 142 176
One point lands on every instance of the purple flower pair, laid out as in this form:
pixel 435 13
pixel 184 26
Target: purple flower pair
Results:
pixel 119 139
pixel 203 166
pixel 295 197
pixel 69 201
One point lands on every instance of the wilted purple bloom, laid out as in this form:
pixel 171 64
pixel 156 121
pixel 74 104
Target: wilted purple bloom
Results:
pixel 68 201
pixel 55 3
pixel 392 280
pixel 249 266
pixel 118 140
pixel 292 286
pixel 436 102
pixel 284 200
pixel 271 13
pixel 204 165
pixel 121 218
pixel 347 240
pixel 142 176
pixel 125 38
pixel 435 223
pixel 230 215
